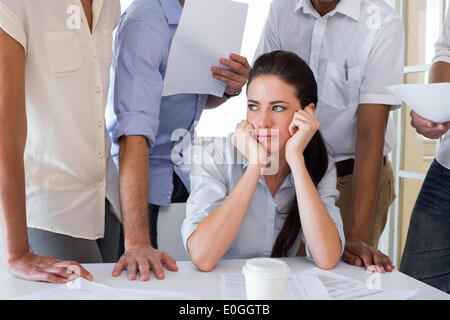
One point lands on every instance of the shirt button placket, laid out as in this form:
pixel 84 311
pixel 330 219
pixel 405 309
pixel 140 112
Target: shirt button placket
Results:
pixel 318 33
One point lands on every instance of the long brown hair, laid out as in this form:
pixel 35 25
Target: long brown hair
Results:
pixel 294 71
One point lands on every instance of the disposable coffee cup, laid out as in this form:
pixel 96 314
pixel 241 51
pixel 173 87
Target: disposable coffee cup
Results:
pixel 265 278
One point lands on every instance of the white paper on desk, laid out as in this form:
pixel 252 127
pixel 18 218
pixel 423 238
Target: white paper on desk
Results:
pixel 430 101
pixel 298 287
pixel 208 30
pixel 343 288
pixel 86 290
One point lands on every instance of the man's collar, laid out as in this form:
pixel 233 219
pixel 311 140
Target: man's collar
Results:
pixel 172 10
pixel 350 8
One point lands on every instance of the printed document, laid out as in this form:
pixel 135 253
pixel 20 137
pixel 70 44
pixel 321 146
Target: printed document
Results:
pixel 208 31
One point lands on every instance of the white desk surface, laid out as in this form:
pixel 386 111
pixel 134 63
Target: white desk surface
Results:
pixel 190 279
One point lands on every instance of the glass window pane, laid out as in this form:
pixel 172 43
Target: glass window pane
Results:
pixel 422 19
pixel 417 151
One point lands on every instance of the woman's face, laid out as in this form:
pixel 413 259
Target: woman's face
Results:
pixel 271 107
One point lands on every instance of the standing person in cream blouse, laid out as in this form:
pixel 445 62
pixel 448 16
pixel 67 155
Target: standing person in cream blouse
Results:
pixel 59 197
pixel 58 184
pixel 239 210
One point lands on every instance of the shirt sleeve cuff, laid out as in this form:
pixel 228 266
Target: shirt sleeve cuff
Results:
pixel 12 25
pixel 136 124
pixel 188 227
pixel 389 100
pixel 442 59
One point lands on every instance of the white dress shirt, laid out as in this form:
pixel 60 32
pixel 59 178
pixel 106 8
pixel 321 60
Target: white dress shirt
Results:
pixel 355 52
pixel 443 55
pixel 217 169
pixel 68 168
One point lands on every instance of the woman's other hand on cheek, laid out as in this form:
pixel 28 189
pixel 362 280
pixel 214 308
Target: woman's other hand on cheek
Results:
pixel 302 129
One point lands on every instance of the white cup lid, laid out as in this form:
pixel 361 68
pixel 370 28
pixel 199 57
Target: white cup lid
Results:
pixel 266 266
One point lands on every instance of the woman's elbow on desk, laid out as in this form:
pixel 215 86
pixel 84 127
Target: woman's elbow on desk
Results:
pixel 201 258
pixel 203 263
pixel 205 267
pixel 328 260
pixel 327 265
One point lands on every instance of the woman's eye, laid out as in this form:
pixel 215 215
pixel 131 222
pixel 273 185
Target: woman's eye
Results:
pixel 278 108
pixel 252 107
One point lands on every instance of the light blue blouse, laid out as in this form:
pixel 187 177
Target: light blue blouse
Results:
pixel 217 169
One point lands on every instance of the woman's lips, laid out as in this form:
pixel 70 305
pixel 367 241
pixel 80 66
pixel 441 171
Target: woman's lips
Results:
pixel 264 138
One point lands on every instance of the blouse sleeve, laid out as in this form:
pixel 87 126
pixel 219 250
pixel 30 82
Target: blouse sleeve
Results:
pixel 11 20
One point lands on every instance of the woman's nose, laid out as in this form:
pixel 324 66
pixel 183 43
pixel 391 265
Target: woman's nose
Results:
pixel 265 120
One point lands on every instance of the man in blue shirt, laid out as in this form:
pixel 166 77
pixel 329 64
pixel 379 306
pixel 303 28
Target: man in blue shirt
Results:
pixel 145 123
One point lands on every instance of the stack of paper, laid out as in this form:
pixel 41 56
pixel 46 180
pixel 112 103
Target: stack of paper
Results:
pixel 430 101
pixel 298 287
pixel 316 284
pixel 343 288
pixel 208 30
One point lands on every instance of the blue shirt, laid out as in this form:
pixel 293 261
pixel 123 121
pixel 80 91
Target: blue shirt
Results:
pixel 135 107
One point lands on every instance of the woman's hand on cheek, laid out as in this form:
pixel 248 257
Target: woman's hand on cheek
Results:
pixel 303 127
pixel 244 139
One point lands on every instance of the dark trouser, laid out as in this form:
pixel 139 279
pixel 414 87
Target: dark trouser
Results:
pixel 68 248
pixel 427 252
pixel 179 195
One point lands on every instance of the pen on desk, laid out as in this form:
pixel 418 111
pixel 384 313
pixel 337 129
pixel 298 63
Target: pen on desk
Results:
pixel 346 70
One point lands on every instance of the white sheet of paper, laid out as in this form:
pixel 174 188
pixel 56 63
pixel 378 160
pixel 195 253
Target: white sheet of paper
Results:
pixel 430 101
pixel 343 288
pixel 298 287
pixel 85 290
pixel 208 30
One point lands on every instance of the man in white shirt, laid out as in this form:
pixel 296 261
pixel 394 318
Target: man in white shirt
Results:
pixel 427 251
pixel 58 184
pixel 355 49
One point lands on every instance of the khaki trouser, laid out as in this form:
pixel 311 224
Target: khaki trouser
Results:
pixel 384 199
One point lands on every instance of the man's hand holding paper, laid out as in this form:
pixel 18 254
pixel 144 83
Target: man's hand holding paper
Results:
pixel 427 128
pixel 236 76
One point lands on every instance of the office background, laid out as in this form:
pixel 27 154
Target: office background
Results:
pixel 413 153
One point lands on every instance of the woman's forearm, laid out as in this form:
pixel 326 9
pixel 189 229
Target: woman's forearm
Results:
pixel 318 228
pixel 216 233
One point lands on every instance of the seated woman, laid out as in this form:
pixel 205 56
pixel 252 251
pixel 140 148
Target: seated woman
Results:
pixel 283 192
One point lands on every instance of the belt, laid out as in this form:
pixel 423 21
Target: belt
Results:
pixel 346 167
